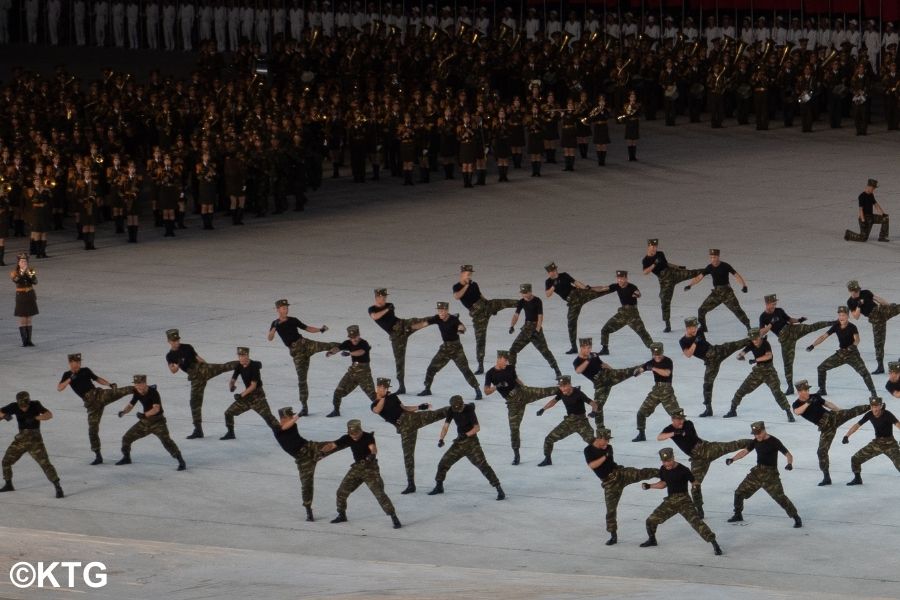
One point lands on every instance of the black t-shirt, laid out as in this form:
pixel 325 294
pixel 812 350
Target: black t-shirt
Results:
pixel 892 387
pixel 360 447
pixel 148 400
pixel 502 379
pixel 767 450
pixel 533 308
pixel 865 303
pixel 574 402
pixel 592 453
pixel 665 363
pixel 349 346
pixel 867 203
pixel 815 410
pixel 388 319
pixel 626 293
pixel 685 438
pixel 845 336
pixel 249 374
pixel 595 365
pixel 80 382
pixel 185 357
pixel 562 285
pixel 883 425
pixel 764 348
pixel 719 273
pixel 702 345
pixel 658 261
pixel 464 420
pixel 677 478
pixel 289 439
pixel 449 328
pixel 778 320
pixel 392 409
pixel 472 295
pixel 289 330
pixel 27 418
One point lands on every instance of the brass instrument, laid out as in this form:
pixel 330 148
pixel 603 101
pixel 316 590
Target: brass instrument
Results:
pixel 516 41
pixel 6 187
pixel 314 37
pixel 504 31
pixel 727 41
pixel 441 65
pixel 98 159
pixel 589 119
pixel 694 47
pixel 624 66
pixel 630 111
pixel 468 34
pixel 740 51
pixel 767 49
pixel 834 54
pixel 49 182
pixel 785 52
pixel 564 43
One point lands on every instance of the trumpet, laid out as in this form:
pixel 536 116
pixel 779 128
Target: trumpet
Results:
pixel 49 182
pixel 98 158
pixel 589 119
pixel 6 187
pixel 630 111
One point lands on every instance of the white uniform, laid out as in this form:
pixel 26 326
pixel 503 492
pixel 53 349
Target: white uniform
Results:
pixel 358 20
pixel 151 17
pixel 54 9
pixel 532 26
pixel 118 23
pixel 247 16
pixel 853 37
pixel 592 25
pixel 573 28
pixel 327 22
pixel 712 34
pixel 101 18
pixel 510 22
pixel 690 34
pixel 873 45
pixel 889 38
pixel 278 21
pixel 186 16
pixel 132 13
pixel 794 35
pixel 5 7
pixel 168 26
pixel 553 25
pixel 613 31
pixel 431 21
pixel 670 33
pixel 205 23
pixel 295 16
pixel 838 37
pixel 342 19
pixel 261 17
pixel 414 25
pixel 447 22
pixel 780 35
pixel 824 38
pixel 315 19
pixel 482 24
pixel 32 10
pixel 220 20
pixel 760 35
pixel 234 27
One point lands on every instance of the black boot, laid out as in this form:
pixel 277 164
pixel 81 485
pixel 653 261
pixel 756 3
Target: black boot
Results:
pixel 42 249
pixel 546 462
pixel 632 153
pixel 450 169
pixel 132 234
pixel 126 458
pixel 300 202
pixel 501 495
pixel 28 335
pixel 551 156
pixel 583 149
pixel 601 158
pixel 730 414
pixel 790 415
pixel 570 163
pixel 707 412
pixel 517 161
pixel 170 228
pixel 179 219
pixel 668 328
pixel 181 465
pixel 197 433
pixel 57 221
pixel 32 247
pixel 503 171
pixel 798 522
pixel 640 437
pixel 482 175
pixel 717 550
pixel 19 228
pixel 24 335
pixel 376 172
pixel 737 517
pixel 340 518
pixel 229 434
pixel 604 350
pixel 87 240
pixel 2 252
pixel 424 175
pixel 426 391
pixel 8 487
pixel 826 480
pixel 651 541
pixel 79 230
pixel 480 370
pixel 438 489
pixel 240 216
pixel 515 456
pixel 402 389
pixel 789 391
pixel 59 490
pixel 335 171
pixel 880 368
pixel 157 218
pixel 410 487
pixel 534 169
pixel 396 522
pixel 857 479
pixel 120 224
pixel 309 514
pixel 98 459
pixel 467 180
pixel 613 538
pixel 336 412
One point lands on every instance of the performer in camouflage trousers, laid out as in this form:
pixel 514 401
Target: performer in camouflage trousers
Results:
pixel 359 374
pixel 532 331
pixel 601 374
pixel 788 330
pixel 252 398
pixel 575 294
pixel 668 274
pixel 480 309
pixel 575 421
pixel 28 414
pixel 627 315
pixel 694 344
pixel 399 330
pixel 662 392
pixel 451 348
pixel 884 443
pixel 150 422
pixel 846 354
pixel 306 453
pixel 762 373
pixel 879 311
pixel 722 293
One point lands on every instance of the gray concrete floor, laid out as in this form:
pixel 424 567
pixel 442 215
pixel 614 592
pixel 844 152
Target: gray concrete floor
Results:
pixel 231 526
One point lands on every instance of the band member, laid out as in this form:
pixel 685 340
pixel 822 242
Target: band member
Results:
pixel 25 278
pixel 207 186
pixel 534 123
pixel 502 136
pixel 600 126
pixel 631 117
pixel 569 134
pixel 28 414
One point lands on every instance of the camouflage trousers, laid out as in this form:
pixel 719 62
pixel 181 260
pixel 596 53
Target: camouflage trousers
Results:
pixel 307 458
pixel 570 424
pixel 615 484
pixel 846 356
pixel 95 401
pixel 679 504
pixel 256 402
pixel 530 335
pixel 662 393
pixel 408 427
pixel 865 229
pixel 481 314
pixel 625 316
pixel 302 351
pixel 576 300
pixel 603 384
pixel 358 375
pixel 447 352
pixel 788 338
pixel 768 479
pixel 713 360
pixel 518 399
pixel 469 448
pixel 828 426
pixel 761 374
pixel 886 445
pixel 878 319
pixel 668 279
pixel 198 376
pixel 399 337
pixel 722 295
pixel 363 472
pixel 702 456
pixel 30 441
pixel 144 427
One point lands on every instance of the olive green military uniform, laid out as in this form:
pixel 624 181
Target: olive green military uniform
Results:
pixel 529 334
pixel 662 393
pixel 713 360
pixel 256 402
pixel 468 447
pixel 615 484
pixel 788 337
pixel 399 336
pixel 307 459
pixel 878 319
pixel 722 295
pixel 145 426
pixel 364 472
pixel 603 384
pixel 679 504
pixel 575 302
pixel 95 401
pixel 668 279
pixel 761 373
pixel 28 441
pixel 625 316
pixel 481 314
pixel 828 426
pixel 865 229
pixel 357 375
pixel 878 446
pixel 519 398
pixel 702 457
pixel 846 356
pixel 570 424
pixel 767 478
pixel 408 427
pixel 447 352
pixel 198 376
pixel 301 352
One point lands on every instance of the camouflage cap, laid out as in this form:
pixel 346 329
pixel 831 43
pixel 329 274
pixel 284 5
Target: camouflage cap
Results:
pixel 894 367
pixel 354 425
pixel 667 454
pixel 714 252
pixel 383 382
pixel 872 183
pixel 621 273
pixel 678 414
pixel 875 401
pixel 604 433
pixel 139 379
pixel 656 348
pixel 802 384
pixel 22 256
pixel 503 354
pixel 853 285
pixel 585 341
pixel 76 357
pixel 442 305
pixel 753 333
pixel 172 335
pixel 466 269
pixel 757 426
pixel 691 322
pixel 770 298
pixel 242 351
pixel 653 242
pixel 456 403
pixel 525 288
pixel 282 302
pixel 23 397
pixel 287 411
pixel 381 292
pixel 843 309
pixel 353 330
pixel 551 266
pixel 564 380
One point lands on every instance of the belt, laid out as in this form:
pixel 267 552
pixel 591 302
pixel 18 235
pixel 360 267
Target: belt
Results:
pixel 718 287
pixel 26 289
pixel 666 383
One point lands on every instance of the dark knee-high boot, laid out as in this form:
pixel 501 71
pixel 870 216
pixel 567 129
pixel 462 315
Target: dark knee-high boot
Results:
pixel 482 175
pixel 120 224
pixel 158 218
pixel 583 148
pixel 79 229
pixel 179 219
pixel 601 158
pixel 517 161
pixel 132 234
pixel 632 153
